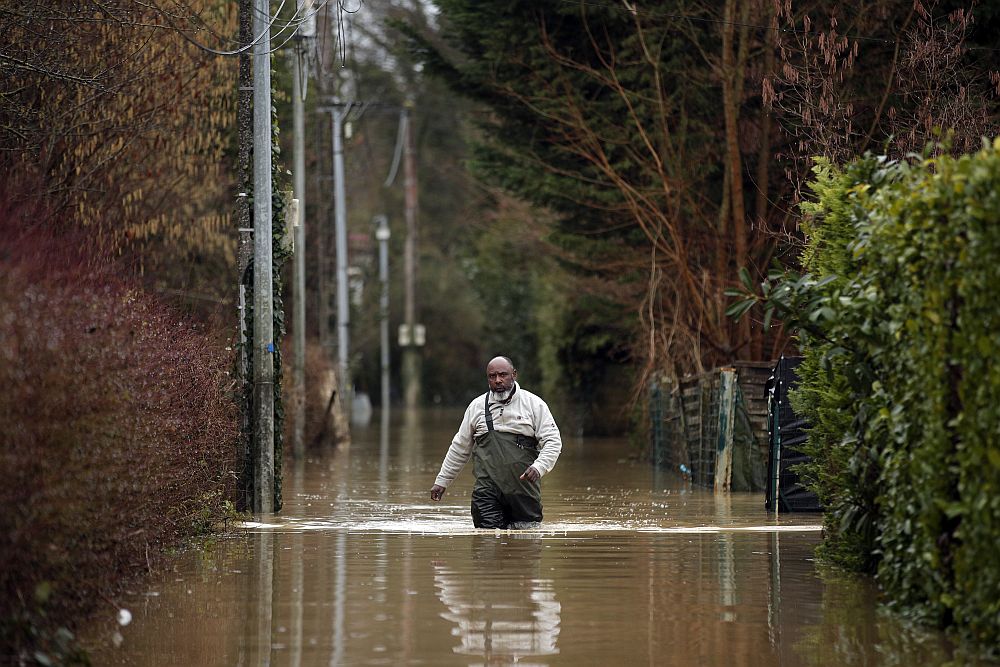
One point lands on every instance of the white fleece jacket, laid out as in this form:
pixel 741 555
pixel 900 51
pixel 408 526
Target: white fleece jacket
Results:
pixel 526 414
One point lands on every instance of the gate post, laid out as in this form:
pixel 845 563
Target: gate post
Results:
pixel 727 414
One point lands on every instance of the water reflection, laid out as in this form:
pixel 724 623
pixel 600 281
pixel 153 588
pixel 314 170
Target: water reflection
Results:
pixel 297 592
pixel 385 424
pixel 502 608
pixel 339 600
pixel 727 561
pixel 260 590
pixel 630 568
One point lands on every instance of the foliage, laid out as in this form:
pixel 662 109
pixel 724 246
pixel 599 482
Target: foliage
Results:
pixel 611 117
pixel 119 425
pixel 486 282
pixel 854 631
pixel 667 139
pixel 445 304
pixel 854 76
pixel 903 334
pixel 30 633
pixel 122 128
pixel 832 376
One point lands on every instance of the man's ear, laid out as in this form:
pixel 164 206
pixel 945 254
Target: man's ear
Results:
pixel 514 374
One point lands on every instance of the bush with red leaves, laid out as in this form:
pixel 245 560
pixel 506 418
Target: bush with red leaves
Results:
pixel 119 430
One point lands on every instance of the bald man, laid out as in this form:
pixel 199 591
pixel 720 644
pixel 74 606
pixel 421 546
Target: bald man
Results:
pixel 513 441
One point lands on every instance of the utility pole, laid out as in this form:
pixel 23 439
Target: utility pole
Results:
pixel 263 330
pixel 305 31
pixel 382 235
pixel 322 232
pixel 338 111
pixel 340 212
pixel 411 337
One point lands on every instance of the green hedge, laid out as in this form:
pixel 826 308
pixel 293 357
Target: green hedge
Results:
pixel 899 326
pixel 841 472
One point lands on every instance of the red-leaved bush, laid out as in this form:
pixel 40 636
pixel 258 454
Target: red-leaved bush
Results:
pixel 119 428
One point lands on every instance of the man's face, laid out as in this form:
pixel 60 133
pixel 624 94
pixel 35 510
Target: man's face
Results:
pixel 500 375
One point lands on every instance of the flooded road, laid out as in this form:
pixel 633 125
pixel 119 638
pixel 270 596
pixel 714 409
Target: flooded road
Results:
pixel 631 567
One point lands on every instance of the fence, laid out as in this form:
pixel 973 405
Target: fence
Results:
pixel 713 427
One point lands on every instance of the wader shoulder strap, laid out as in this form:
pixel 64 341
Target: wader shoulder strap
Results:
pixel 489 417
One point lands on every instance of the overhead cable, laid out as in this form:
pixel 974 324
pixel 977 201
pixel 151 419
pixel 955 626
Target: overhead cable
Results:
pixel 293 23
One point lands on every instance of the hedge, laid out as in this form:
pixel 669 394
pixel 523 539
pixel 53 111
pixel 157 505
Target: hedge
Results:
pixel 899 325
pixel 119 430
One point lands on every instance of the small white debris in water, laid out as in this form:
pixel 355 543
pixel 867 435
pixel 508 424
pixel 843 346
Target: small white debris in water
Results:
pixel 124 617
pixel 117 639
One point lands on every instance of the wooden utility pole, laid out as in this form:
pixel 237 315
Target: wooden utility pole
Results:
pixel 263 329
pixel 411 337
pixel 321 236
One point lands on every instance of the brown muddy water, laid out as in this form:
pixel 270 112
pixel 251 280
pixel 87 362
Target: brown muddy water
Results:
pixel 631 567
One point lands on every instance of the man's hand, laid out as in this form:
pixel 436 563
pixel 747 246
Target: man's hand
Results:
pixel 436 492
pixel 531 474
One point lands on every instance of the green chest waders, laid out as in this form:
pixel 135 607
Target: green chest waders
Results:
pixel 500 497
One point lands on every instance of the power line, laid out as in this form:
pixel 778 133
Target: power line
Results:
pixel 293 22
pixel 236 52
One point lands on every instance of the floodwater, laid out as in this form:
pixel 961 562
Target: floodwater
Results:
pixel 631 567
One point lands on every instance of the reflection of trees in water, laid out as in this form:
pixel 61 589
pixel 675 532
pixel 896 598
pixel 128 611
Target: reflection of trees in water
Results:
pixel 855 632
pixel 501 607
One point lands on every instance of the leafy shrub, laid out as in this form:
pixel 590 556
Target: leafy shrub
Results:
pixel 840 471
pixel 119 429
pixel 929 255
pixel 900 328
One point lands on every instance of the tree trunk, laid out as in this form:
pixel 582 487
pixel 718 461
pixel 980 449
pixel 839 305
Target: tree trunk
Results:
pixel 732 79
pixel 763 167
pixel 764 150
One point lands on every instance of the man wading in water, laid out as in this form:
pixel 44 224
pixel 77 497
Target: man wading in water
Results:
pixel 513 440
